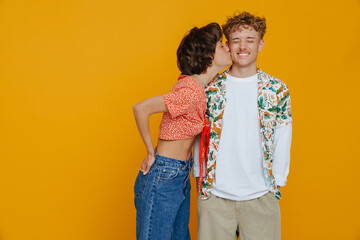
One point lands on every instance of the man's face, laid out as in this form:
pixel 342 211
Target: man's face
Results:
pixel 244 44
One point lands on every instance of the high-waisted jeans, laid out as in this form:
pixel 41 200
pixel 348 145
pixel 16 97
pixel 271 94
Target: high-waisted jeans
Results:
pixel 162 200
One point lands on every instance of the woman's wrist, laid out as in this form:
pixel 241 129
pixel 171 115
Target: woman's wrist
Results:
pixel 150 148
pixel 151 152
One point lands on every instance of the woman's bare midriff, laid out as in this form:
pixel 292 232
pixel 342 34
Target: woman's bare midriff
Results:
pixel 177 149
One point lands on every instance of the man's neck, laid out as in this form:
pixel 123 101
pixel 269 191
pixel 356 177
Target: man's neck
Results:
pixel 242 72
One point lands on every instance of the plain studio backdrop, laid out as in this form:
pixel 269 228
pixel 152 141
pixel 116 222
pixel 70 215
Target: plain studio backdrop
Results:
pixel 70 72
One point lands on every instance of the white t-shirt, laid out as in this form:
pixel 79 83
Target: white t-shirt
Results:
pixel 239 171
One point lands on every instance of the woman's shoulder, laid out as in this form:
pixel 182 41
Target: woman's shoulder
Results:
pixel 188 83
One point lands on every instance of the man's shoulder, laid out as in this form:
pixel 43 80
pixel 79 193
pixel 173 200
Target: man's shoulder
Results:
pixel 272 81
pixel 217 83
pixel 219 79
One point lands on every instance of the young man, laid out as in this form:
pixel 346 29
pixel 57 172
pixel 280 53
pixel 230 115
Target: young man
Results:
pixel 242 171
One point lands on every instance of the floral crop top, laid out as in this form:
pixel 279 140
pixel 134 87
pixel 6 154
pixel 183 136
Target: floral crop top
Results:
pixel 186 104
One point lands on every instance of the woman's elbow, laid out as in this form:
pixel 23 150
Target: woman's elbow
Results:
pixel 136 107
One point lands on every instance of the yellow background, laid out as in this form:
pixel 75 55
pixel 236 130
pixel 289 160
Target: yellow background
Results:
pixel 70 72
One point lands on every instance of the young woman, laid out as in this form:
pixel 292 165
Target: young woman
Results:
pixel 162 187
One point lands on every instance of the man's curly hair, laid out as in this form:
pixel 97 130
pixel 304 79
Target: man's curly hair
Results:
pixel 244 19
pixel 196 51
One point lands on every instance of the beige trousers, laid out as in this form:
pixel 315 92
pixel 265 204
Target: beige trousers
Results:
pixel 224 219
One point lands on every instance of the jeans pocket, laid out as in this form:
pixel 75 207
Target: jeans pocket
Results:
pixel 167 173
pixel 140 184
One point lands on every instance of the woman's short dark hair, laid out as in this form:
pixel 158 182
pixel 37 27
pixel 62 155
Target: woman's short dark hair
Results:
pixel 196 51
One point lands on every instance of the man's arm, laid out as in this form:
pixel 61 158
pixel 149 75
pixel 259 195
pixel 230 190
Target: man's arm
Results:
pixel 281 154
pixel 282 137
pixel 196 169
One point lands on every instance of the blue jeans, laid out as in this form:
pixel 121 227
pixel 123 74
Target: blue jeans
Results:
pixel 162 200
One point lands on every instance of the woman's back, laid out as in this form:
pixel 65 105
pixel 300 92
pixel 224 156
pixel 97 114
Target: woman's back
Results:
pixel 186 105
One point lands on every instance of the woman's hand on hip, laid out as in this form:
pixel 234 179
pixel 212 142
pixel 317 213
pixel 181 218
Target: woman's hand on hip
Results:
pixel 147 163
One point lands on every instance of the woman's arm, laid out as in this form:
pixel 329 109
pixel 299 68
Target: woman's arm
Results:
pixel 142 112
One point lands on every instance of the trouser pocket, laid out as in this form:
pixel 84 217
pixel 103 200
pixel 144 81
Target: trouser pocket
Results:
pixel 140 184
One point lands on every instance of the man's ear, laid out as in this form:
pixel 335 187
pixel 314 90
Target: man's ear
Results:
pixel 261 45
pixel 227 43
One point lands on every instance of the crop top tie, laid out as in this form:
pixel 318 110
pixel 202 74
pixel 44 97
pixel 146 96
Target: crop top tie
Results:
pixel 186 105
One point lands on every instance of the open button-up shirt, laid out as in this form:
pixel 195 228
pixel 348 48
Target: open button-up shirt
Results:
pixel 274 107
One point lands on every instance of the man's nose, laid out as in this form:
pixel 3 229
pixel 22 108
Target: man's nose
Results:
pixel 242 45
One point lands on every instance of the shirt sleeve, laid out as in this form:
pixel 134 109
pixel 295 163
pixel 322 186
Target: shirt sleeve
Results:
pixel 281 156
pixel 179 101
pixel 283 116
pixel 196 168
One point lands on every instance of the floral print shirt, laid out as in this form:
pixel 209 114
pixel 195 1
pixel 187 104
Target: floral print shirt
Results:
pixel 274 111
